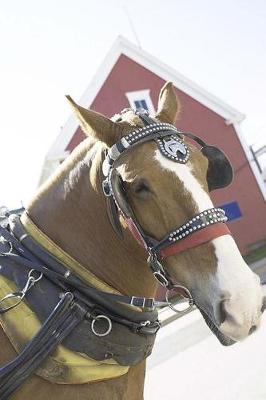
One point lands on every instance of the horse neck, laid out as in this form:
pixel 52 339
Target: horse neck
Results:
pixel 70 209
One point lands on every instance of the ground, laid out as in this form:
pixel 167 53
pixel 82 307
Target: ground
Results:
pixel 189 363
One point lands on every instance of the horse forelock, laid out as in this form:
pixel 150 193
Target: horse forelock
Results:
pixel 129 116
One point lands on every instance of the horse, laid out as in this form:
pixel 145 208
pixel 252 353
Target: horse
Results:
pixel 163 193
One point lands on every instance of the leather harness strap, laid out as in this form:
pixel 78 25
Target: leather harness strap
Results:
pixel 59 324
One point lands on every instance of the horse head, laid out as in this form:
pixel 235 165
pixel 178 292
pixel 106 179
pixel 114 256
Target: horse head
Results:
pixel 163 194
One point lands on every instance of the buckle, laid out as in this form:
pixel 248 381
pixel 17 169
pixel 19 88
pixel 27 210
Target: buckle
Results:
pixel 150 328
pixel 161 278
pixel 142 302
pixel 106 188
pixel 157 269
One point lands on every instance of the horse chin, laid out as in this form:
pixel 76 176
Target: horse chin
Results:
pixel 224 340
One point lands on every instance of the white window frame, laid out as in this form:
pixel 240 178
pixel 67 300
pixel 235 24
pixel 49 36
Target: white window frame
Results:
pixel 140 95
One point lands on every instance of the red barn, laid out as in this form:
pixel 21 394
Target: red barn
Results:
pixel 130 77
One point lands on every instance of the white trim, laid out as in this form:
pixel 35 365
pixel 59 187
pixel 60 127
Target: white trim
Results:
pixel 180 81
pixel 86 99
pixel 251 161
pixel 141 95
pixel 50 165
pixel 123 46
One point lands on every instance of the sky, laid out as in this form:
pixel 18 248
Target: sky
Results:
pixel 54 47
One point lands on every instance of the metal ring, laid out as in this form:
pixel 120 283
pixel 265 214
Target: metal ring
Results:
pixel 189 298
pixel 18 296
pixel 109 325
pixel 4 254
pixel 31 276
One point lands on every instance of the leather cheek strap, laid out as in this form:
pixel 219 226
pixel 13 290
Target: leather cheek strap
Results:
pixel 196 239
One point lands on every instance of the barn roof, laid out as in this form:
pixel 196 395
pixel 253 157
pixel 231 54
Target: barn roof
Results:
pixel 140 56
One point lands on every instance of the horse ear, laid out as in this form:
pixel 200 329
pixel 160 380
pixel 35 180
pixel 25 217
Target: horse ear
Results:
pixel 97 125
pixel 168 104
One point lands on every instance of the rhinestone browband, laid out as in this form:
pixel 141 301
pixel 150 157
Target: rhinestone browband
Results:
pixel 138 136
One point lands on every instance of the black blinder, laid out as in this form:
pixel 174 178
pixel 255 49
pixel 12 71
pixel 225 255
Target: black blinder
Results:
pixel 220 172
pixel 122 203
pixel 113 215
pixel 120 193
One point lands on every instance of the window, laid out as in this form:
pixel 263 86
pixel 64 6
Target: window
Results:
pixel 141 104
pixel 140 99
pixel 232 210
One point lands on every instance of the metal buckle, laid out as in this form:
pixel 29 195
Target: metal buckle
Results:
pixel 7 253
pixel 20 294
pixel 157 269
pixel 161 278
pixel 142 302
pixel 106 188
pixel 145 323
pixel 134 298
pixel 109 328
pixel 149 328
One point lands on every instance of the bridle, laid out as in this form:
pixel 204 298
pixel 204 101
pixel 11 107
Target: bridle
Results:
pixel 201 228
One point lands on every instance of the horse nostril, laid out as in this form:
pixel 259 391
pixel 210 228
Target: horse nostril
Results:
pixel 223 312
pixel 263 304
pixel 252 329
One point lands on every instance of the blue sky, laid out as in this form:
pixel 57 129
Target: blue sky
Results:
pixel 52 48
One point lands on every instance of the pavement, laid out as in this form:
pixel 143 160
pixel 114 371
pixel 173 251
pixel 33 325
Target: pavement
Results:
pixel 189 363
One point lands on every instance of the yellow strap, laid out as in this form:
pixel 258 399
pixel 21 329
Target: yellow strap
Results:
pixel 62 256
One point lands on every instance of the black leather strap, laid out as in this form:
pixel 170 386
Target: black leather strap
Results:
pixel 64 278
pixel 59 324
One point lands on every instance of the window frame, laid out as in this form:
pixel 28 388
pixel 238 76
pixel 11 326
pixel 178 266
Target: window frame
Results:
pixel 139 95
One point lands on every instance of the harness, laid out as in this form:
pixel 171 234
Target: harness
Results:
pixel 101 323
pixel 200 229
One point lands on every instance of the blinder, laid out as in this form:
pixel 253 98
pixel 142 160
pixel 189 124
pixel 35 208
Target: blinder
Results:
pixel 220 172
pixel 117 202
pixel 120 194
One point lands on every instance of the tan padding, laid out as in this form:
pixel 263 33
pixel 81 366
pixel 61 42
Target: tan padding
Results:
pixel 64 366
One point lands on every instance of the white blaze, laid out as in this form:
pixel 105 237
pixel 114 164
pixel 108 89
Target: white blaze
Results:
pixel 233 275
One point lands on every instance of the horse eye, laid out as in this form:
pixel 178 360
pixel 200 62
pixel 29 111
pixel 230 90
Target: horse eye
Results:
pixel 141 188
